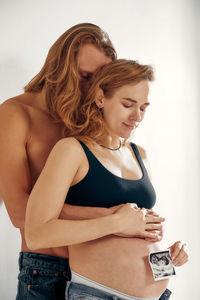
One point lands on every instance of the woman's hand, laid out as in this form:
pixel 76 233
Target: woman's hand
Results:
pixel 134 222
pixel 159 233
pixel 179 253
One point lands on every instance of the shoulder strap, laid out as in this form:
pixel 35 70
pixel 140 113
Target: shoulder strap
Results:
pixel 93 161
pixel 138 156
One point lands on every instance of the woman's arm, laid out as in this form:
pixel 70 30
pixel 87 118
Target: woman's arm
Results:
pixel 43 229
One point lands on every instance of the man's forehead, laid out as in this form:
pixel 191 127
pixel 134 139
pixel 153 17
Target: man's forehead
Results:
pixel 91 58
pixel 91 65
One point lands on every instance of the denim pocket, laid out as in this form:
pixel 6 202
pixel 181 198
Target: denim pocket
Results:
pixel 42 293
pixel 39 283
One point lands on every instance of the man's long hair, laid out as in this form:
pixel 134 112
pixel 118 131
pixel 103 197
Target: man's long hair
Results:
pixel 59 75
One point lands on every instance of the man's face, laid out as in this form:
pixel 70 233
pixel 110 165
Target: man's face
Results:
pixel 89 59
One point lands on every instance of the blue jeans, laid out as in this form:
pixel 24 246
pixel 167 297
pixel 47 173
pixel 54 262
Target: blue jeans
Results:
pixel 78 291
pixel 42 277
pixel 165 295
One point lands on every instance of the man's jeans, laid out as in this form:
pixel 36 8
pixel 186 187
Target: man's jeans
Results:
pixel 42 277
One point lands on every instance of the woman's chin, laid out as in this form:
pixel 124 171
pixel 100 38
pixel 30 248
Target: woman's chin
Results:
pixel 126 135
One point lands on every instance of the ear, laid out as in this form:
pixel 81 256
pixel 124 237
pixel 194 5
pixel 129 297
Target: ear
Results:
pixel 99 98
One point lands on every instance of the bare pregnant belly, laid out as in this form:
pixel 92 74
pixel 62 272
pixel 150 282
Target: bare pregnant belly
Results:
pixel 119 263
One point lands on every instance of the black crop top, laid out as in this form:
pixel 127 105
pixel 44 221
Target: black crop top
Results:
pixel 101 188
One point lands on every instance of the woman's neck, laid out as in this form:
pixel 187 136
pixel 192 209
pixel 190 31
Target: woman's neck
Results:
pixel 112 142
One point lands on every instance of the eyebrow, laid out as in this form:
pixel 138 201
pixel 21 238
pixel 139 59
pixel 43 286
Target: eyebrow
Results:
pixel 135 101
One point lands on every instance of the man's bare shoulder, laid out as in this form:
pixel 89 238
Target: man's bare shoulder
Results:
pixel 14 114
pixel 15 106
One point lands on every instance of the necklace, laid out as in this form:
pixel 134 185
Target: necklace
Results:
pixel 113 149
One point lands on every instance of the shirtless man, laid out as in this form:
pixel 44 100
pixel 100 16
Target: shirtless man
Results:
pixel 28 132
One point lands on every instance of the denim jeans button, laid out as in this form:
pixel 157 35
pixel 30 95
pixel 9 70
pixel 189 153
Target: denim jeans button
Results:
pixel 34 271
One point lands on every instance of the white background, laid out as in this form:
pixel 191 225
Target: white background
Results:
pixel 163 33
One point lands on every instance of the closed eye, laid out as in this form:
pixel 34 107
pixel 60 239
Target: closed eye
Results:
pixel 143 109
pixel 127 106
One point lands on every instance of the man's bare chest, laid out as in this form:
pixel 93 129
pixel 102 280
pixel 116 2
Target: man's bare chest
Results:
pixel 43 136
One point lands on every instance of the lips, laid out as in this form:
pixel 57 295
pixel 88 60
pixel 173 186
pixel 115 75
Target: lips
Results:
pixel 129 126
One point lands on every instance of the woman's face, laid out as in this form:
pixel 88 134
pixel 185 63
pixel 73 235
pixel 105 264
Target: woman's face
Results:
pixel 124 111
pixel 89 59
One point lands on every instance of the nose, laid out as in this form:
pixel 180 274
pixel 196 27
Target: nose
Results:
pixel 136 115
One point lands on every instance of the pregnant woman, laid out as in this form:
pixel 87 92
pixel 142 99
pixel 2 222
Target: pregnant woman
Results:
pixel 97 166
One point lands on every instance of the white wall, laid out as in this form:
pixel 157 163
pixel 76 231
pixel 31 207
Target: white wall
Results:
pixel 159 32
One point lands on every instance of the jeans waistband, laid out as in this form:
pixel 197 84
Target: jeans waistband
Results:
pixel 87 290
pixel 43 260
pixel 95 287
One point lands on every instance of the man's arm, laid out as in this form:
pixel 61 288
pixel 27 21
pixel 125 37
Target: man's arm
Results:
pixel 71 212
pixel 15 182
pixel 15 178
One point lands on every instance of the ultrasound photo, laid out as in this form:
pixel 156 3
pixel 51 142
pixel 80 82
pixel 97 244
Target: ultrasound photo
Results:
pixel 161 265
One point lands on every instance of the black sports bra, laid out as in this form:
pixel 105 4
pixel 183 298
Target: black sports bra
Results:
pixel 101 188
